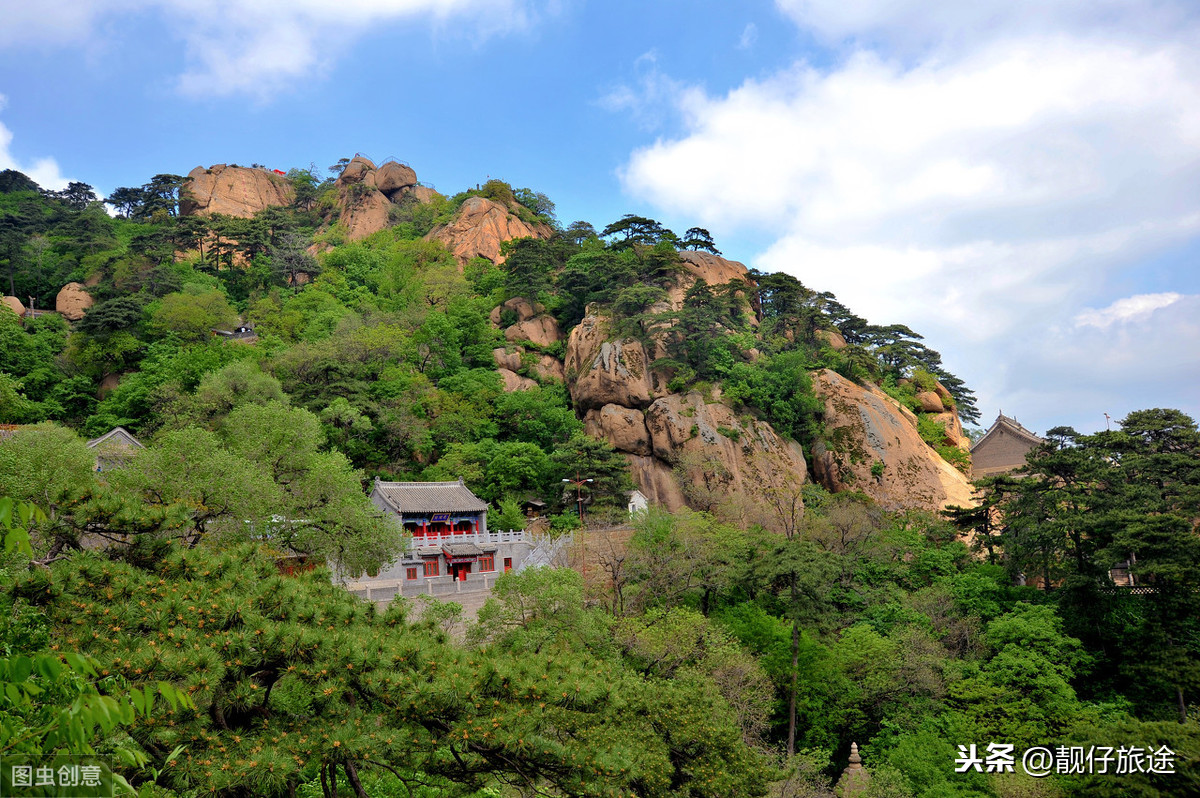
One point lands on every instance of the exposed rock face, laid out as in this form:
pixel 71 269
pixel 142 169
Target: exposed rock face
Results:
pixel 866 427
pixel 713 269
pixel 519 305
pixel 73 301
pixel 954 431
pixel 393 177
pixel 740 466
pixel 233 191
pixel 833 338
pixel 656 480
pixel 623 427
pixel 479 229
pixel 364 207
pixel 363 212
pixel 930 402
pixel 548 368
pixel 540 330
pixel 505 359
pixel 603 372
pixel 423 193
pixel 359 170
pixel 13 304
pixel 515 382
pixel 108 385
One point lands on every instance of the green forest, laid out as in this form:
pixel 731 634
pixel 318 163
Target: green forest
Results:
pixel 146 618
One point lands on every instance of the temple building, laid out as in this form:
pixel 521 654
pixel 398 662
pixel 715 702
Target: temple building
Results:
pixel 450 550
pixel 114 448
pixel 1002 448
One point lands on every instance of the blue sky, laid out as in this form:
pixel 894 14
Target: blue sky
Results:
pixel 1015 179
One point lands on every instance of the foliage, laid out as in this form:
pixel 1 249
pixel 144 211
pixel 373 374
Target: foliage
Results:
pixel 781 388
pixel 510 516
pixel 293 679
pixel 192 314
pixel 692 642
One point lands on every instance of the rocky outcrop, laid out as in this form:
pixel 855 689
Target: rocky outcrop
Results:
pixel 738 466
pixel 393 178
pixel 930 402
pixel 623 427
pixel 515 382
pixel 656 480
pixel 73 301
pixel 608 372
pixel 545 366
pixel 954 431
pixel 832 338
pixel 522 307
pixel 13 304
pixel 540 330
pixel 479 229
pixel 364 212
pixel 506 360
pixel 364 208
pixel 233 191
pixel 866 427
pixel 423 193
pixel 549 368
pixel 713 269
pixel 108 385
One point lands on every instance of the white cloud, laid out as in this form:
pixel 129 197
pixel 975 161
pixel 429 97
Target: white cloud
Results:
pixel 1129 309
pixel 257 47
pixel 653 97
pixel 913 25
pixel 749 36
pixel 44 171
pixel 56 22
pixel 984 182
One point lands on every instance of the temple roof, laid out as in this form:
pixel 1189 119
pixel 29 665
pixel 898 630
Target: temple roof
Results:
pixel 429 497
pixel 1009 424
pixel 461 549
pixel 118 436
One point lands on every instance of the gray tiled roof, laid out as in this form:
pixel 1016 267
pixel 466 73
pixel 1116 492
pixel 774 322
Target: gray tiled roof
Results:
pixel 1004 422
pixel 430 497
pixel 117 436
pixel 461 549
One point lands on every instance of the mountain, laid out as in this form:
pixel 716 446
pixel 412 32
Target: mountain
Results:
pixel 720 388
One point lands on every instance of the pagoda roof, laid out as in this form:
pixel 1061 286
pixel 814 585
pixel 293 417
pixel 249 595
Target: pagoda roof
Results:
pixel 429 497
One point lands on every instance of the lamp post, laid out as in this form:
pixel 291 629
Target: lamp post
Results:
pixel 579 483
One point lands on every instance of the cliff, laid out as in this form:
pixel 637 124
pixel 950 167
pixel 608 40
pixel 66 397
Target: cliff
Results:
pixel 233 191
pixel 695 449
pixel 366 194
pixel 480 227
pixel 873 446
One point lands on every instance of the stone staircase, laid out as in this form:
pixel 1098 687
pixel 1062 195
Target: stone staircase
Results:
pixel 548 552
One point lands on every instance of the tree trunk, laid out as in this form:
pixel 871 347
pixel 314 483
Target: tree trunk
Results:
pixel 791 747
pixel 352 775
